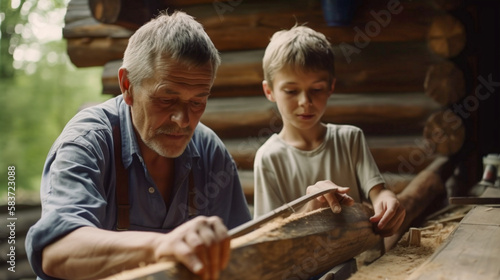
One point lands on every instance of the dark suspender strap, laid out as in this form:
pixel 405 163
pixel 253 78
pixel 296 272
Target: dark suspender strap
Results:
pixel 191 196
pixel 121 191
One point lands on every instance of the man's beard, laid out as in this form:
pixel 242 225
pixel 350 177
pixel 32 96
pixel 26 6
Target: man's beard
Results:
pixel 164 149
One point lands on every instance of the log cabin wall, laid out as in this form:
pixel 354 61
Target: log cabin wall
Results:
pixel 400 66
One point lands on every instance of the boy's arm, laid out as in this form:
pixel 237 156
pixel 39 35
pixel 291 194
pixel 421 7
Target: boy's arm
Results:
pixel 201 244
pixel 389 213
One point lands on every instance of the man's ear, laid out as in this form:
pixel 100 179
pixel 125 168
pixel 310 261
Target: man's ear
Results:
pixel 268 91
pixel 125 86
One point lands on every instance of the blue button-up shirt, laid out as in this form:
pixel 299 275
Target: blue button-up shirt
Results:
pixel 78 181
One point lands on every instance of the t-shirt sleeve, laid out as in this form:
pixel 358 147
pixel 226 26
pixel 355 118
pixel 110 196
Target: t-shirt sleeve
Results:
pixel 366 168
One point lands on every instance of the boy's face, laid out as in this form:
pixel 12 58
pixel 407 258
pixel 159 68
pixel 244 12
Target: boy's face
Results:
pixel 301 96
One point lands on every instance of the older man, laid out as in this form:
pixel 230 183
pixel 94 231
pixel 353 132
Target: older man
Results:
pixel 162 186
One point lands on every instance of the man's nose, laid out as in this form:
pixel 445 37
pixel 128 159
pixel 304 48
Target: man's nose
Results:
pixel 180 116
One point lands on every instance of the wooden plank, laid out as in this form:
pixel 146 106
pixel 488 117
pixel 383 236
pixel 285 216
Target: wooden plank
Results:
pixel 474 200
pixel 471 252
pixel 297 247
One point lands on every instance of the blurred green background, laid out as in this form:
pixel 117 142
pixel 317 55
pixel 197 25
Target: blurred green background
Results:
pixel 40 89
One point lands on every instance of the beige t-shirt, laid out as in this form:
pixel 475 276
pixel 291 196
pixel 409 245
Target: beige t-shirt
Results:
pixel 282 173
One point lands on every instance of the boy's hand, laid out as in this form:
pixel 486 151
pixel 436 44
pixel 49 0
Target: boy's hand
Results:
pixel 389 214
pixel 335 198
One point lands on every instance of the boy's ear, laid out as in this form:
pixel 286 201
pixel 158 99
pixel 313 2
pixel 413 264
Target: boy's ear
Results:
pixel 268 91
pixel 125 86
pixel 333 85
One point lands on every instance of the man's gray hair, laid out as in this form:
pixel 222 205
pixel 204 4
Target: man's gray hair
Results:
pixel 177 37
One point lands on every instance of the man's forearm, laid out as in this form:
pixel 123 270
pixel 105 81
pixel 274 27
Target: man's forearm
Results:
pixel 88 253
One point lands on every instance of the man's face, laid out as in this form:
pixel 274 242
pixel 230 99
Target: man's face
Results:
pixel 167 108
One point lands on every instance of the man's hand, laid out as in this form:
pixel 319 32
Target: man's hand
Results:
pixel 389 214
pixel 202 245
pixel 335 198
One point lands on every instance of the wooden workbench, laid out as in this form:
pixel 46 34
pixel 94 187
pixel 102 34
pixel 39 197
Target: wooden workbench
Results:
pixel 472 251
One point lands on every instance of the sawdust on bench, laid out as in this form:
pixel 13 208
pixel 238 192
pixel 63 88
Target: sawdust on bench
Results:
pixel 400 262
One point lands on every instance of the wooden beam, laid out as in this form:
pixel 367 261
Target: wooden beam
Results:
pixel 88 52
pixel 380 67
pixel 127 13
pixel 236 25
pixel 298 247
pixel 79 23
pixel 374 113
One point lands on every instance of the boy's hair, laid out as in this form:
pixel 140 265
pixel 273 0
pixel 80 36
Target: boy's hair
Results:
pixel 300 48
pixel 177 37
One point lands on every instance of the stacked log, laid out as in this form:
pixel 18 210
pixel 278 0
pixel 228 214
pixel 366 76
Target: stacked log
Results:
pixel 382 62
pixel 394 76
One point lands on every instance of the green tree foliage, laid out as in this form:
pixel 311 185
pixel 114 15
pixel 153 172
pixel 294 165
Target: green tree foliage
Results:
pixel 40 90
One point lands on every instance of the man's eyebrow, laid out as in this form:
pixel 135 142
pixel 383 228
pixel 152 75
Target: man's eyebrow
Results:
pixel 173 92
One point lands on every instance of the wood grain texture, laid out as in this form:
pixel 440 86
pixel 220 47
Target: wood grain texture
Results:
pixel 79 23
pixel 380 67
pixel 445 83
pixel 236 25
pixel 446 36
pixel 445 131
pixel 296 247
pixel 374 113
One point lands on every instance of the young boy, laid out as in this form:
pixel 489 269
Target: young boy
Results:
pixel 299 76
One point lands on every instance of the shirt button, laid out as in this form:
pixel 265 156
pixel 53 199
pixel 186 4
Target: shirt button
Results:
pixel 151 190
